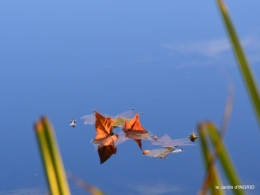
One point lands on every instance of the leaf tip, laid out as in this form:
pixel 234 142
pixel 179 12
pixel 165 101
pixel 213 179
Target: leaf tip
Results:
pixel 39 124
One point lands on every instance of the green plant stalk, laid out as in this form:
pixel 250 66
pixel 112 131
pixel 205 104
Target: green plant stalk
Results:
pixel 89 188
pixel 60 173
pixel 46 159
pixel 212 177
pixel 224 158
pixel 249 79
pixel 51 158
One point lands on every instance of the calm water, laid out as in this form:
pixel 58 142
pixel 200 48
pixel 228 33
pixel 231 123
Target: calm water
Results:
pixel 169 60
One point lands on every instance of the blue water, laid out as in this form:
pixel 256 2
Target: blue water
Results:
pixel 170 60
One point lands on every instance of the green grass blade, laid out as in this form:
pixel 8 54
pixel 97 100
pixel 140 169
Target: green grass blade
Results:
pixel 51 158
pixel 46 158
pixel 247 73
pixel 84 185
pixel 224 158
pixel 212 178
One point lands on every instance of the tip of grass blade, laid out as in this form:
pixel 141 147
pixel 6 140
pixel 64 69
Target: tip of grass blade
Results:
pixel 38 126
pixel 205 125
pixel 222 5
pixel 45 119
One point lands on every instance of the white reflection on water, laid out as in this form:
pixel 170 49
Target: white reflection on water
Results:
pixel 156 189
pixel 32 191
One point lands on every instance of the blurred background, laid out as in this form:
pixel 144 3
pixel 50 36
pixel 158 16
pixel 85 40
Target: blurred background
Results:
pixel 170 60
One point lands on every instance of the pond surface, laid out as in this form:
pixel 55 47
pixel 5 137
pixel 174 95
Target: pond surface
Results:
pixel 170 60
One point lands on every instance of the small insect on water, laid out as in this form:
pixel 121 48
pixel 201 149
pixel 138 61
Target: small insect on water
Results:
pixel 73 123
pixel 193 137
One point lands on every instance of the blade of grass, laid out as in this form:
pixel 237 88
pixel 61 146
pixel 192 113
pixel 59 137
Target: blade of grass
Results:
pixel 228 110
pixel 224 158
pixel 61 176
pixel 46 158
pixel 89 188
pixel 51 158
pixel 202 128
pixel 212 178
pixel 241 59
